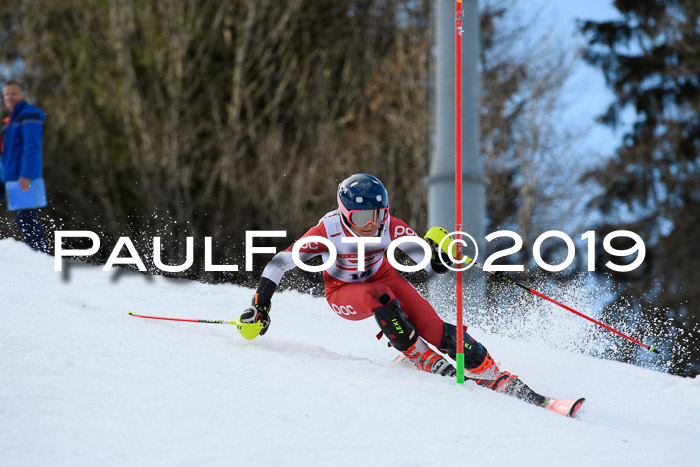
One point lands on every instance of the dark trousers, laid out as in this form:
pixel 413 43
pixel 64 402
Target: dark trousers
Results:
pixel 28 222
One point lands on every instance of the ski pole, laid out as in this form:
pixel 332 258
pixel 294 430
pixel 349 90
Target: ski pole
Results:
pixel 247 330
pixel 507 279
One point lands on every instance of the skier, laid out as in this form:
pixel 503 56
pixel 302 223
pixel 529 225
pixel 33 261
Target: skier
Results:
pixel 402 313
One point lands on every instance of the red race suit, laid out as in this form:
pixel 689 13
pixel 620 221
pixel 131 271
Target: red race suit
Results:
pixel 352 291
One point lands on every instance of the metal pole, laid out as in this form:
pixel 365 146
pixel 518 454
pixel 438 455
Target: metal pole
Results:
pixel 442 178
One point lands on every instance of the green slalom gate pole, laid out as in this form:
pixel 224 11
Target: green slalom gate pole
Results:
pixel 248 330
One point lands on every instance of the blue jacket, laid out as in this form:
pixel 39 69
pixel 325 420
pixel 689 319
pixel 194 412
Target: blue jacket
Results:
pixel 21 144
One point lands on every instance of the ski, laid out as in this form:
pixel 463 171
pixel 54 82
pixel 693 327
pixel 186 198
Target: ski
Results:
pixel 563 407
pixel 567 408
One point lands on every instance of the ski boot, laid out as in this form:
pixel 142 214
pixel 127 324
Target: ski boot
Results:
pixel 426 359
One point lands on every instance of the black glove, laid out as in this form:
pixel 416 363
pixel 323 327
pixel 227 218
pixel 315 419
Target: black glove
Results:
pixel 257 313
pixel 438 266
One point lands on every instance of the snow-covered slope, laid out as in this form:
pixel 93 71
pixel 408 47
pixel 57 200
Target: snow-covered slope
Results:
pixel 83 383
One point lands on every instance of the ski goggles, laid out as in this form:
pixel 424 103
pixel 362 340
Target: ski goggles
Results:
pixel 359 218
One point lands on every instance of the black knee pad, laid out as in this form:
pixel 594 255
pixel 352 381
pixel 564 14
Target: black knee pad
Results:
pixel 395 325
pixel 474 352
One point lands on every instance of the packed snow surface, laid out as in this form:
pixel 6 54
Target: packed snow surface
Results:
pixel 84 383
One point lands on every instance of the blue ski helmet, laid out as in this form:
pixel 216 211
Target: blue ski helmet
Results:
pixel 363 199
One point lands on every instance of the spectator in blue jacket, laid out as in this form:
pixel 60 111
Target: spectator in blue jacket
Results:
pixel 21 149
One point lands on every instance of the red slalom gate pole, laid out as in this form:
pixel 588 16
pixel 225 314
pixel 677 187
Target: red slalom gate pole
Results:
pixel 458 182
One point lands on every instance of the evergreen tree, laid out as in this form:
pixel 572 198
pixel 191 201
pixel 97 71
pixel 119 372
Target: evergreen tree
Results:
pixel 651 59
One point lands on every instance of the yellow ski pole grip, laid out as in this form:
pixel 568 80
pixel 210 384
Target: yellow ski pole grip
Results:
pixel 436 235
pixel 249 331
